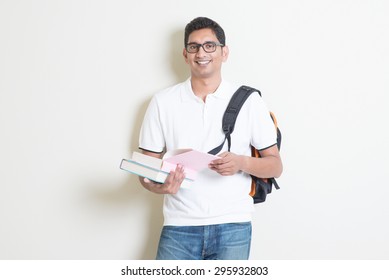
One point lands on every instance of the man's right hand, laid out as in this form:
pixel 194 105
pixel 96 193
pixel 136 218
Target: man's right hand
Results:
pixel 170 186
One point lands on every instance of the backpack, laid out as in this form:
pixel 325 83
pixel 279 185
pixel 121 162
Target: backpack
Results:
pixel 260 187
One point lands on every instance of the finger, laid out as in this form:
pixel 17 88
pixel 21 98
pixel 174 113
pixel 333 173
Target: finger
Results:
pixel 169 179
pixel 175 177
pixel 223 154
pixel 179 177
pixel 178 181
pixel 180 169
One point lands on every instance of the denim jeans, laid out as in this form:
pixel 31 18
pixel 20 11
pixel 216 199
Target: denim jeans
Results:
pixel 212 242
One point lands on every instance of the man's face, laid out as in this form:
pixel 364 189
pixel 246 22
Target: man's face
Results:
pixel 203 64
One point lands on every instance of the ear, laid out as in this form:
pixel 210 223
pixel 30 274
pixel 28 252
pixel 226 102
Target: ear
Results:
pixel 185 54
pixel 225 53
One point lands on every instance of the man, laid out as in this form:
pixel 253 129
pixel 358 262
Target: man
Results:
pixel 212 218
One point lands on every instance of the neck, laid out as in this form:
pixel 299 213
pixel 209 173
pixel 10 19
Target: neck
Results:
pixel 203 87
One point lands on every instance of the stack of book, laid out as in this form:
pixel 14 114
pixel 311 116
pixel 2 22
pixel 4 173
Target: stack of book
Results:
pixel 157 169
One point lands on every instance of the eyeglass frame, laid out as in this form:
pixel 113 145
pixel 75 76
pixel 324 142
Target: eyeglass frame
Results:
pixel 202 45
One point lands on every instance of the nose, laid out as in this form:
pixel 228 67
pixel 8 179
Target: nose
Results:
pixel 201 52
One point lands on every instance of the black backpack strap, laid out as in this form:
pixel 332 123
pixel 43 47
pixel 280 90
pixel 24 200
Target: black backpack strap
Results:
pixel 231 113
pixel 216 150
pixel 275 184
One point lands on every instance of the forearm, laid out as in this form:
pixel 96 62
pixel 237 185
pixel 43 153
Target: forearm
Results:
pixel 266 167
pixel 150 186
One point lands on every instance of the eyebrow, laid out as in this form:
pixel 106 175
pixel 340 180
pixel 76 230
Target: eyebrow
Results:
pixel 204 42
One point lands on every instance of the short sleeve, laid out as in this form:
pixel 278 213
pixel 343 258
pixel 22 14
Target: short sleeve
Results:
pixel 151 136
pixel 264 134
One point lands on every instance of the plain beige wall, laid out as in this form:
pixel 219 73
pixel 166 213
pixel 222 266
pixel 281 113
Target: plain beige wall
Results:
pixel 75 81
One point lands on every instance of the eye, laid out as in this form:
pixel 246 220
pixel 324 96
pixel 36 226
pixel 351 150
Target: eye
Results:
pixel 192 47
pixel 209 46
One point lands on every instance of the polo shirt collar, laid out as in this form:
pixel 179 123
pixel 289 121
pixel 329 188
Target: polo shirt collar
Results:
pixel 188 94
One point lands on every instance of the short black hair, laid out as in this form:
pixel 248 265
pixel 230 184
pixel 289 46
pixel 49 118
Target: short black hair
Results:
pixel 201 23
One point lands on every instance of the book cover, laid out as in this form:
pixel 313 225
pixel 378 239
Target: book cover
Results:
pixel 158 169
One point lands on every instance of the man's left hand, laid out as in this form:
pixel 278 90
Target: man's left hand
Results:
pixel 227 165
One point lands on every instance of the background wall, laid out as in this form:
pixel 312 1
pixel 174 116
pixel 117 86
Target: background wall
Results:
pixel 75 81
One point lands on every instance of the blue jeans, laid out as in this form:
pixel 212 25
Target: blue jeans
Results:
pixel 213 242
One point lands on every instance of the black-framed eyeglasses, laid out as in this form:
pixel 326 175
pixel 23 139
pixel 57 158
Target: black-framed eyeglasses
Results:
pixel 208 47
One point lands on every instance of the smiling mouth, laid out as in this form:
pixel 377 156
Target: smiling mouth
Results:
pixel 203 62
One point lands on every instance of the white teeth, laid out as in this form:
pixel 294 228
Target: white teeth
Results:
pixel 203 62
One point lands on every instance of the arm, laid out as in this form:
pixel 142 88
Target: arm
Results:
pixel 172 182
pixel 268 166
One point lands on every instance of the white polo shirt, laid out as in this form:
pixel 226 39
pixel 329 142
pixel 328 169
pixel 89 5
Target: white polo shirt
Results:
pixel 177 119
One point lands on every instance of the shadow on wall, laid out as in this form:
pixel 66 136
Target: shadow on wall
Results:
pixel 142 212
pixel 150 203
pixel 128 201
pixel 178 65
pixel 131 192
